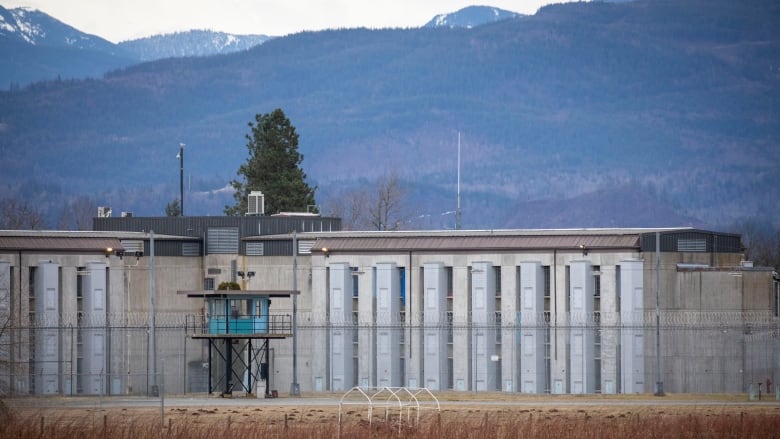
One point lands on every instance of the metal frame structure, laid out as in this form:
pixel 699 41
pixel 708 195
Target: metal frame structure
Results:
pixel 231 346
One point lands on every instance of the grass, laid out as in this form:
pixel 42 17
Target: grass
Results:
pixel 318 422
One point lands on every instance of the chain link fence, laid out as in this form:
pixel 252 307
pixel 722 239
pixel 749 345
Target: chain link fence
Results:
pixel 710 355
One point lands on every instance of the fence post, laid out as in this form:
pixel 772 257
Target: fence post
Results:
pixel 184 361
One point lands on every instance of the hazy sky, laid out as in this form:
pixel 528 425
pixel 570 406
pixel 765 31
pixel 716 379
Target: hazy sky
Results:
pixel 118 20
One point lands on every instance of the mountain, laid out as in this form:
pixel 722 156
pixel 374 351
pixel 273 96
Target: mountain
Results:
pixel 470 16
pixel 38 29
pixel 37 47
pixel 190 43
pixel 675 100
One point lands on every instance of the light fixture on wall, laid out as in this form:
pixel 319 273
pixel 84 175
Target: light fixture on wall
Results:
pixel 246 275
pixel 325 251
pixel 584 250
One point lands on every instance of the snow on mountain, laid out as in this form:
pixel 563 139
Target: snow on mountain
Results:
pixel 190 43
pixel 36 28
pixel 471 16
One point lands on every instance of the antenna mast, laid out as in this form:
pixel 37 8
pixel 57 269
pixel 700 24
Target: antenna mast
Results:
pixel 457 209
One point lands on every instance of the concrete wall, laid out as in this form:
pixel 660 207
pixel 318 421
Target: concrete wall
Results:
pixel 93 331
pixel 534 329
pixel 341 327
pixel 435 288
pixel 694 359
pixel 483 336
pixel 632 335
pixel 388 332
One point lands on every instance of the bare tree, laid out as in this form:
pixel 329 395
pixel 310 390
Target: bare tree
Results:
pixel 363 209
pixel 386 212
pixel 18 215
pixel 762 244
pixel 77 213
pixel 351 206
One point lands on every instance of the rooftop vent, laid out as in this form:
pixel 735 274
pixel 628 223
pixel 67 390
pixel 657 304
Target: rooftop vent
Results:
pixel 256 203
pixel 104 212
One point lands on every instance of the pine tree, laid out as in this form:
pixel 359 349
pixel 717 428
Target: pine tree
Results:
pixel 273 167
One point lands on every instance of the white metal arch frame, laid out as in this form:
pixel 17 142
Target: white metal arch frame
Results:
pixel 400 398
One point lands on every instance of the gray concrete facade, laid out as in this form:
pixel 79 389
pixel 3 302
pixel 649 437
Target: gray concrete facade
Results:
pixel 548 319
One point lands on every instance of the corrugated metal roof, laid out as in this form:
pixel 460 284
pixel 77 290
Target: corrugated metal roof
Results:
pixel 59 243
pixel 485 242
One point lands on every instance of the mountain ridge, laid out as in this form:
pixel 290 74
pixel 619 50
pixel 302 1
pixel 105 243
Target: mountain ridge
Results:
pixel 577 99
pixel 470 16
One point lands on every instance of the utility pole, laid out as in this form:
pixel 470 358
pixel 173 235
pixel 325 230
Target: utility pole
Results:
pixel 152 337
pixel 295 389
pixel 180 156
pixel 659 384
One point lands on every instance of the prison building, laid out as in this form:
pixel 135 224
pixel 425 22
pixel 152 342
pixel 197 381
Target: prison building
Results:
pixel 530 311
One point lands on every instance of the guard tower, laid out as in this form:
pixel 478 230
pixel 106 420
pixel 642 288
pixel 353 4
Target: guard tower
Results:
pixel 238 326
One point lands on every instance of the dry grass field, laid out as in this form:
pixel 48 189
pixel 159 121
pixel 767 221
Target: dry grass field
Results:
pixel 461 416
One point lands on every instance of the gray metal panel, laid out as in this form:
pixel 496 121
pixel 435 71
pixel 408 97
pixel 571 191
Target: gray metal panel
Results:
pixel 278 248
pixel 190 249
pixel 197 226
pixel 254 248
pixel 682 240
pixel 222 240
pixel 167 247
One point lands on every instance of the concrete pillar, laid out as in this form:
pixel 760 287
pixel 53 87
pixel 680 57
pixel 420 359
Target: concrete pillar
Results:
pixel 388 332
pixel 483 336
pixel 367 317
pixel 435 338
pixel 414 334
pixel 341 348
pixel 93 329
pixel 47 313
pixel 632 362
pixel 461 306
pixel 533 327
pixel 316 324
pixel 610 335
pixel 510 329
pixel 69 323
pixel 581 360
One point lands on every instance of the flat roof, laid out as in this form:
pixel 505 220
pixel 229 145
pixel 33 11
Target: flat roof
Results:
pixel 476 243
pixel 239 293
pixel 470 233
pixel 60 243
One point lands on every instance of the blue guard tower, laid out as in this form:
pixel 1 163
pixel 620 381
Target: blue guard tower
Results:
pixel 238 326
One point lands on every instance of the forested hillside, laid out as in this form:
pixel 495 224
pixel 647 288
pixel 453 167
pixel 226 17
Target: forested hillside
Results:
pixel 678 100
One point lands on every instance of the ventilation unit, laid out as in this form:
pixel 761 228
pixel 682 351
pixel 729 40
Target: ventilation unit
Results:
pixel 256 203
pixel 104 212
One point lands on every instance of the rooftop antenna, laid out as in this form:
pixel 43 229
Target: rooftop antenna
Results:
pixel 457 209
